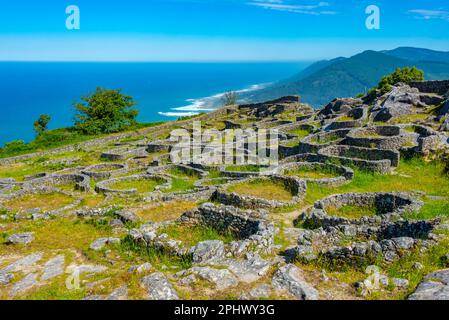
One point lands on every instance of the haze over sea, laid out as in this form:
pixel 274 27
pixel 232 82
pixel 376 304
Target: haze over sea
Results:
pixel 163 91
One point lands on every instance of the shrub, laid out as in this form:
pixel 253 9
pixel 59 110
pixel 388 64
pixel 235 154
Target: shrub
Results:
pixel 405 75
pixel 230 98
pixel 105 111
pixel 41 124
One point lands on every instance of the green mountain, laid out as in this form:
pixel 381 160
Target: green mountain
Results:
pixel 343 77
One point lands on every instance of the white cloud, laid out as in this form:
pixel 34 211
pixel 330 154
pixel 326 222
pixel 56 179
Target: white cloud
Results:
pixel 281 5
pixel 430 14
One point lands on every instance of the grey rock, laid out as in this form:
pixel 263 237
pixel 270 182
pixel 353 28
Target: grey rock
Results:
pixel 86 269
pixel 435 286
pixel 53 268
pixel 158 287
pixel 404 243
pixel 99 244
pixel 289 278
pixel 116 223
pixel 23 285
pixel 141 268
pixel 127 216
pixel 119 294
pixel 418 266
pixel 6 278
pixel 262 291
pixel 21 238
pixel 249 270
pixel 400 283
pixel 23 263
pixel 221 278
pixel 208 251
pixel 398 102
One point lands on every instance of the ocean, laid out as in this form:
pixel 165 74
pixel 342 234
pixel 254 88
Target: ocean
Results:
pixel 163 91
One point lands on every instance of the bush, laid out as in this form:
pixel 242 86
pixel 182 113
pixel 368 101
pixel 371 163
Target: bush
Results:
pixel 405 75
pixel 41 124
pixel 229 98
pixel 105 111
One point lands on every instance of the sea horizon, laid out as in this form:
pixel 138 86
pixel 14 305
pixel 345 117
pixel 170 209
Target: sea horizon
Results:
pixel 164 91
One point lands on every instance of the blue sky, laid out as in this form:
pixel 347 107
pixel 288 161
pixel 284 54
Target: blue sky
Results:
pixel 219 30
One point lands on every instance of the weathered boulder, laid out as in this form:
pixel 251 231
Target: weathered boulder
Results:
pixel 435 286
pixel 23 285
pixel 21 238
pixel 289 278
pixel 102 242
pixel 140 269
pixel 158 287
pixel 6 278
pixel 53 268
pixel 400 101
pixel 249 270
pixel 23 263
pixel 221 278
pixel 208 251
pixel 340 106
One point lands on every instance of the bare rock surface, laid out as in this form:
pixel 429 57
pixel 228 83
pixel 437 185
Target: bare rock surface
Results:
pixel 158 287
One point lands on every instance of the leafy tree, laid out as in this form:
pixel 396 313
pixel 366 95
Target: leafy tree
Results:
pixel 230 98
pixel 105 111
pixel 405 75
pixel 41 124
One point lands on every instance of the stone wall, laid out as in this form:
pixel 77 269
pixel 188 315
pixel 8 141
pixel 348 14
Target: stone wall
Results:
pixel 439 87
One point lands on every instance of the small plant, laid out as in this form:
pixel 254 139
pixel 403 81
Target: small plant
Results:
pixel 41 124
pixel 230 98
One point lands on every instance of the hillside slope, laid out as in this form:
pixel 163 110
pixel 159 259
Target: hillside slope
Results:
pixel 344 77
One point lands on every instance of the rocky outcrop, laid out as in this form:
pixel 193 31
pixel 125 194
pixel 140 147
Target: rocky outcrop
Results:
pixel 435 286
pixel 290 279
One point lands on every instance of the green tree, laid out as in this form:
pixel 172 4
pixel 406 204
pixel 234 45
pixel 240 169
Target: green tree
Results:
pixel 406 75
pixel 41 124
pixel 229 98
pixel 105 111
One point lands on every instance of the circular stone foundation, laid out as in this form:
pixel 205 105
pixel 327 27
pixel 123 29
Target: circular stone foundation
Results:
pixel 49 202
pixel 319 173
pixel 265 192
pixel 380 137
pixel 80 182
pixel 130 185
pixel 318 141
pixel 105 170
pixel 376 160
pixel 359 209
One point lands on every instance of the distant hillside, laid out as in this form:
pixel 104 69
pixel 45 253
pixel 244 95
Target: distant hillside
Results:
pixel 343 77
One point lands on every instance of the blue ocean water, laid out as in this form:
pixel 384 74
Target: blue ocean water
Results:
pixel 163 91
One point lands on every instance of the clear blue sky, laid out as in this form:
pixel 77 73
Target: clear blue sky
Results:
pixel 217 30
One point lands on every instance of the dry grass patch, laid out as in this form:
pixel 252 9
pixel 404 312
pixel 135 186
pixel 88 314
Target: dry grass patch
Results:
pixel 45 202
pixel 165 211
pixel 265 189
pixel 142 185
pixel 311 173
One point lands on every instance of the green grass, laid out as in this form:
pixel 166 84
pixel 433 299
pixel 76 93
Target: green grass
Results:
pixel 327 139
pixel 300 133
pixel 430 210
pixel 191 235
pixel 243 168
pixel 180 185
pixel 45 202
pixel 265 189
pixel 56 138
pixel 351 211
pixel 311 173
pixel 142 185
pixel 129 249
pixel 411 175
